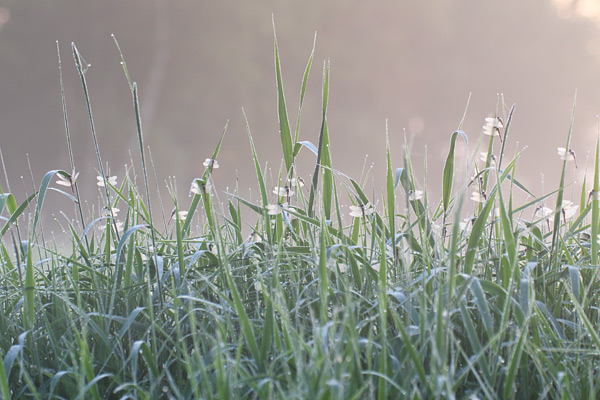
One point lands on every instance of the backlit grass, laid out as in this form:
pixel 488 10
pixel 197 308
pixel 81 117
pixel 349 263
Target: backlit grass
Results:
pixel 297 296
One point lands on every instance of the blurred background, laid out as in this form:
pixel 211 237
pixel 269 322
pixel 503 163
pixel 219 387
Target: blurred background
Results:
pixel 197 63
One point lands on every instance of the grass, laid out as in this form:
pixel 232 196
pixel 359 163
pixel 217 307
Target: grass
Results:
pixel 402 300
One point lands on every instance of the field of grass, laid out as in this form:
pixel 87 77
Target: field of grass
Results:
pixel 297 296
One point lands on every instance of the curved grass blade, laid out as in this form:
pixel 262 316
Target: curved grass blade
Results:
pixel 8 200
pixel 42 193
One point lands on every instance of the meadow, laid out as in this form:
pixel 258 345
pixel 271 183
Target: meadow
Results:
pixel 298 294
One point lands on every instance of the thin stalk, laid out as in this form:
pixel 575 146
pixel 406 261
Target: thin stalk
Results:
pixel 138 121
pixel 69 147
pixel 82 72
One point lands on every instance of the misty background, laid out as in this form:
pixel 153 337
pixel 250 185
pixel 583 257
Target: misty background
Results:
pixel 197 63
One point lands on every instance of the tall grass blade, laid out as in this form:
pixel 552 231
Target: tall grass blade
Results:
pixel 559 195
pixel 390 189
pixel 68 136
pixel 284 125
pixel 323 155
pixel 596 204
pixel 261 180
pixel 302 91
pixel 140 135
pixel 82 70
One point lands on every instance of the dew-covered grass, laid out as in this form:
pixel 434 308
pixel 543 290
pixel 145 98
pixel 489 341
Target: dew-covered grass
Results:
pixel 297 296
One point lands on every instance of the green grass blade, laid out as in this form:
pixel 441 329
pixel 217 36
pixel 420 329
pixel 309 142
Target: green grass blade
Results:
pixel 513 363
pixel 412 352
pixel 560 193
pixel 4 390
pixel 448 176
pixel 88 367
pixel 323 279
pixel 327 175
pixel 302 91
pixel 196 199
pixel 42 194
pixel 284 125
pixel 575 279
pixel 29 289
pixel 246 325
pixel 8 200
pixel 261 180
pixel 150 360
pixel 483 306
pixel 475 236
pixel 391 195
pixel 267 332
pixel 323 155
pixel 481 221
pixel 596 204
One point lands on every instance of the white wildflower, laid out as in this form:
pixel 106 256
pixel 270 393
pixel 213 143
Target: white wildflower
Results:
pixel 69 181
pixel 112 180
pixel 567 155
pixel 492 126
pixel 484 158
pixel 274 209
pixel 195 188
pixel 543 212
pixel 415 195
pixel 478 197
pixel 106 211
pixel 296 182
pixel 568 209
pixel 211 163
pixel 361 210
pixel 254 237
pixel 213 248
pixel 286 191
pixel 119 224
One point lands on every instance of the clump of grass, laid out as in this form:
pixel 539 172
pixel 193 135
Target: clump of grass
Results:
pixel 397 301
